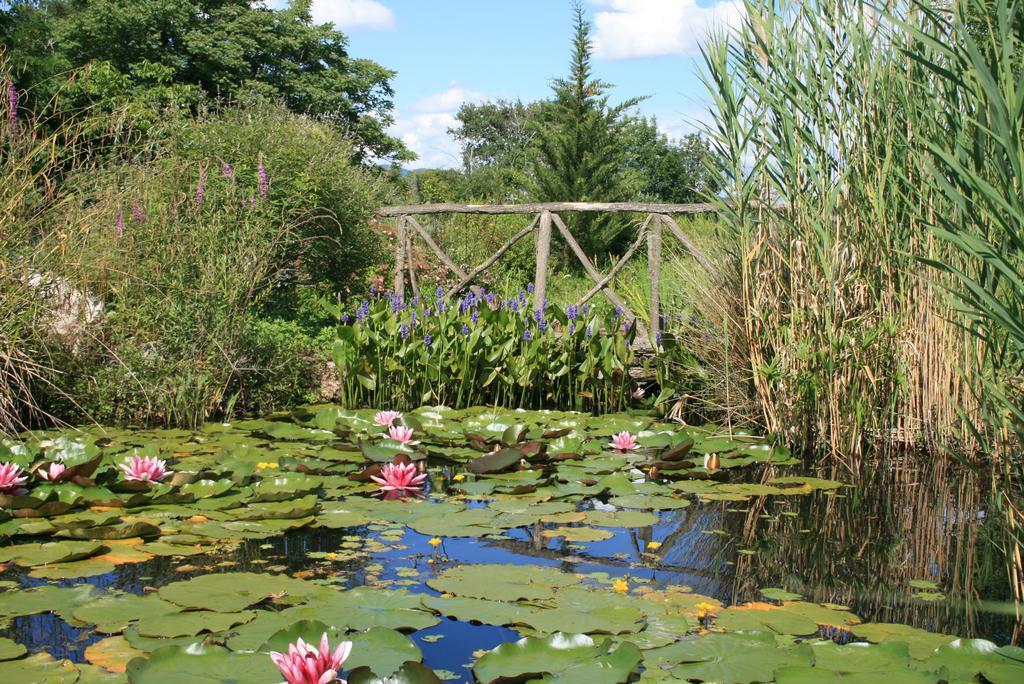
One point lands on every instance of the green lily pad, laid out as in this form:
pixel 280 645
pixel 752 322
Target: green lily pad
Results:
pixel 718 657
pixel 28 555
pixel 580 610
pixel 409 673
pixel 39 667
pixel 501 582
pixel 199 664
pixel 230 592
pixel 382 650
pixel 965 659
pixel 478 610
pixel 111 613
pixel 190 623
pixel 365 608
pixel 559 658
pixel 9 649
pixel 621 518
pixel 920 642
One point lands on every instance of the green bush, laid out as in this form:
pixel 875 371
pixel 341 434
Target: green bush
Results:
pixel 191 249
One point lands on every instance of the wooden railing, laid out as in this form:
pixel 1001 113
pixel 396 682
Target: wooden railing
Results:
pixel 544 217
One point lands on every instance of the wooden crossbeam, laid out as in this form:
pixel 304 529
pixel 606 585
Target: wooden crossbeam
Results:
pixel 494 257
pixel 595 275
pixel 445 259
pixel 690 246
pixel 618 265
pixel 536 208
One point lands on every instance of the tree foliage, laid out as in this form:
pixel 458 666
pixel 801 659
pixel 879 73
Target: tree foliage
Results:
pixel 150 55
pixel 580 155
pixel 668 170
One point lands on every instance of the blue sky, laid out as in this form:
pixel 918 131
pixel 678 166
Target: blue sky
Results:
pixel 451 51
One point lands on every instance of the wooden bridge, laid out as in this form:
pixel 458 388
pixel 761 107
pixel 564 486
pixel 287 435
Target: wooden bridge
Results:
pixel 545 216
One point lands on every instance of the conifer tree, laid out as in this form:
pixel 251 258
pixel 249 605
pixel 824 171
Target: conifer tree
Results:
pixel 581 155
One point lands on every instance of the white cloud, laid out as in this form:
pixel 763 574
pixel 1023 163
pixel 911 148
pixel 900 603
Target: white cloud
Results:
pixel 677 124
pixel 449 100
pixel 650 28
pixel 425 129
pixel 354 14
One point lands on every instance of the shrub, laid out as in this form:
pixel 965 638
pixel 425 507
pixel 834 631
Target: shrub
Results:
pixel 188 244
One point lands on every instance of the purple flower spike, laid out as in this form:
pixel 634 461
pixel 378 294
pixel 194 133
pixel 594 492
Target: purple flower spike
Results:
pixel 120 225
pixel 572 312
pixel 12 104
pixel 542 325
pixel 264 185
pixel 527 335
pixel 227 170
pixel 439 291
pixel 572 327
pixel 201 187
pixel 657 338
pixel 618 311
pixel 427 340
pixel 475 317
pixel 465 329
pixel 138 215
pixel 403 331
pixel 529 287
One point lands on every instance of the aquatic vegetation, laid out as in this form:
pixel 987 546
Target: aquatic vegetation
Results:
pixel 11 478
pixel 305 664
pixel 145 469
pixel 399 476
pixel 541 550
pixel 387 418
pixel 479 349
pixel 401 433
pixel 53 473
pixel 623 441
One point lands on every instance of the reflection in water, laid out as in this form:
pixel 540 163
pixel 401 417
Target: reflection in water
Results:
pixel 859 546
pixel 863 545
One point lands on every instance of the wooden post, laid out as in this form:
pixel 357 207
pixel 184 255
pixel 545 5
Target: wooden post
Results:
pixel 654 271
pixel 400 257
pixel 543 245
pixel 410 261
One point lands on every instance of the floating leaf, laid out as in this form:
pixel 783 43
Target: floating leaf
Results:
pixel 563 657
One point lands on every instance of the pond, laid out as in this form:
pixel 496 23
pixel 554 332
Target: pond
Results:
pixel 534 551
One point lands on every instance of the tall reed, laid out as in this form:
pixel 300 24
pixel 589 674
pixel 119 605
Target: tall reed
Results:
pixel 979 169
pixel 820 118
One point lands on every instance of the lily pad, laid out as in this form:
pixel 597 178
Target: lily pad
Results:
pixel 199 664
pixel 230 592
pixel 560 658
pixel 501 582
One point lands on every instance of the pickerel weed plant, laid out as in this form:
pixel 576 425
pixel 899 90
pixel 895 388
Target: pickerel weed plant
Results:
pixel 482 349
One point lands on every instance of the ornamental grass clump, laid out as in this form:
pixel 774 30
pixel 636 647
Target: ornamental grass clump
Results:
pixel 481 349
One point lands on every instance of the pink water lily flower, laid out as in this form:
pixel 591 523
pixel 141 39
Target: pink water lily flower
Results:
pixel 386 418
pixel 623 441
pixel 11 479
pixel 53 473
pixel 399 476
pixel 305 664
pixel 401 433
pixel 145 469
